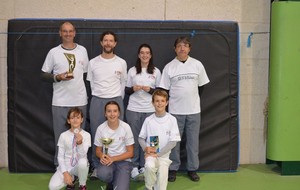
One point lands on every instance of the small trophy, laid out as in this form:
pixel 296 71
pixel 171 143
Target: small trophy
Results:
pixel 72 64
pixel 106 142
pixel 154 142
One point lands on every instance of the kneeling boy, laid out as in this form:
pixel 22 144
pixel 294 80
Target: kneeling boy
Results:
pixel 159 134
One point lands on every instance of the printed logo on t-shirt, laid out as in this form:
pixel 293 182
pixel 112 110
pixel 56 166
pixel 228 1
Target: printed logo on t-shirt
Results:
pixel 122 139
pixel 81 62
pixel 152 77
pixel 119 73
pixel 185 77
pixel 168 133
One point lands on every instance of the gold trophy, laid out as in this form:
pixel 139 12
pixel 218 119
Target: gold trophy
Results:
pixel 72 64
pixel 106 142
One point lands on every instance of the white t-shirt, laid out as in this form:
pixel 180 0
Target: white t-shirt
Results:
pixel 66 149
pixel 122 137
pixel 183 79
pixel 141 101
pixel 165 128
pixel 107 76
pixel 72 92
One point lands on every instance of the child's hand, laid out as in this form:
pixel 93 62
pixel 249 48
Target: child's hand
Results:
pixel 106 160
pixel 68 178
pixel 79 138
pixel 151 154
pixel 150 149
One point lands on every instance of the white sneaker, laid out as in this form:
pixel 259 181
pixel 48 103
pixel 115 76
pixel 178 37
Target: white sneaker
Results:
pixel 134 172
pixel 142 170
pixel 138 174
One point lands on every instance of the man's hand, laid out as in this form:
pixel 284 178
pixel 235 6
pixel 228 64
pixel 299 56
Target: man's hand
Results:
pixel 63 77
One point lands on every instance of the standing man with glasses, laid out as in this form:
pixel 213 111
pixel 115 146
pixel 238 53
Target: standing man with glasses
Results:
pixel 184 78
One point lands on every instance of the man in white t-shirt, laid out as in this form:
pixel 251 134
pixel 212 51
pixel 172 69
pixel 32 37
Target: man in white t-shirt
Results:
pixel 184 77
pixel 65 66
pixel 107 74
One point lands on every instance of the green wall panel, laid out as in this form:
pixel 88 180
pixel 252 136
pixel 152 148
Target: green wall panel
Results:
pixel 283 143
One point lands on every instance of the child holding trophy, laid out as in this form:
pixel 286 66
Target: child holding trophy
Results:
pixel 73 146
pixel 114 148
pixel 159 134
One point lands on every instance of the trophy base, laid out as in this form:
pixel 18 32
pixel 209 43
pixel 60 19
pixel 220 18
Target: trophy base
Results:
pixel 69 75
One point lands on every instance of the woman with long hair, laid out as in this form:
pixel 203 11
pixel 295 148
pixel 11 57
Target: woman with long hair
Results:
pixel 142 79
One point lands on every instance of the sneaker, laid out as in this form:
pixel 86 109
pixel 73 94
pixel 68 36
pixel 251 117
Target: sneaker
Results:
pixel 135 172
pixel 109 186
pixel 193 176
pixel 172 175
pixel 137 175
pixel 93 176
pixel 75 180
pixel 82 187
pixel 70 187
pixel 142 170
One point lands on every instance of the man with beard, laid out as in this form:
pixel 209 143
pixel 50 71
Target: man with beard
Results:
pixel 107 74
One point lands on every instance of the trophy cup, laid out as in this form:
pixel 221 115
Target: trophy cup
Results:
pixel 72 64
pixel 106 142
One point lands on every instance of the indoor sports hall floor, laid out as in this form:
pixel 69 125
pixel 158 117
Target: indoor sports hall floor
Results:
pixel 248 177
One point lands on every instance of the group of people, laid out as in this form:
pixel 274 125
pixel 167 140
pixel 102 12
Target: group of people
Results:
pixel 147 143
